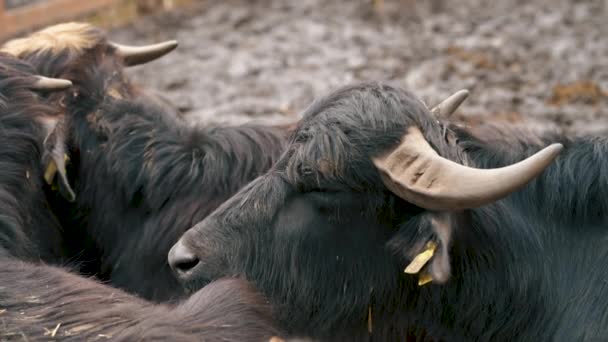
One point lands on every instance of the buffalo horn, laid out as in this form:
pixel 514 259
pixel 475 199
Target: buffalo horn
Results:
pixel 416 173
pixel 45 83
pixel 136 55
pixel 448 106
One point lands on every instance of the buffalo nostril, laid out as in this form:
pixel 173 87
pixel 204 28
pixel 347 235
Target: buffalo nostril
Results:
pixel 181 259
pixel 185 265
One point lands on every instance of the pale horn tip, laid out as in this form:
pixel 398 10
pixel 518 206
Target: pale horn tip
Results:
pixel 448 106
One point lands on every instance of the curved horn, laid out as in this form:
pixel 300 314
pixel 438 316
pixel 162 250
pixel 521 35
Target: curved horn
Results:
pixel 136 55
pixel 46 83
pixel 416 173
pixel 448 106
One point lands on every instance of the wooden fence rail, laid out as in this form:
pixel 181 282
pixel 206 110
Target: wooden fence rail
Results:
pixel 20 19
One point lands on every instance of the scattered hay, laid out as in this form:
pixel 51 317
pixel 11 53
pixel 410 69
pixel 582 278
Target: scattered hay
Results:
pixel 80 328
pixel 53 332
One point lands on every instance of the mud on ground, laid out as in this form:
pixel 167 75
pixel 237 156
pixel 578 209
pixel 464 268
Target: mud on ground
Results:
pixel 543 63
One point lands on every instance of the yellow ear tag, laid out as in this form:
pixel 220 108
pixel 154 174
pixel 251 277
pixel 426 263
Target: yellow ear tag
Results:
pixel 421 259
pixel 425 278
pixel 49 173
pixel 51 169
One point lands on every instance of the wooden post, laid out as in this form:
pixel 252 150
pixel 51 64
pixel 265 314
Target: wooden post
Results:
pixel 1 13
pixel 36 15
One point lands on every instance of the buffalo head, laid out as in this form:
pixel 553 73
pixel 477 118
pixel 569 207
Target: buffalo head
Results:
pixel 371 184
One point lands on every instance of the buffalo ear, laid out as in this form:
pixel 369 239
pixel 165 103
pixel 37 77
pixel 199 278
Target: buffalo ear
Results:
pixel 54 156
pixel 422 244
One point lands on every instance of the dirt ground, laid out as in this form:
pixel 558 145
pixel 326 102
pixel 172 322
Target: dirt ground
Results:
pixel 543 63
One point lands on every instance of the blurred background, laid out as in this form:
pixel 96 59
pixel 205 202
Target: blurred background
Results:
pixel 539 63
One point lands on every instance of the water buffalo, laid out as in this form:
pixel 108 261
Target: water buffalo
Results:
pixel 28 229
pixel 375 198
pixel 141 176
pixel 64 49
pixel 40 302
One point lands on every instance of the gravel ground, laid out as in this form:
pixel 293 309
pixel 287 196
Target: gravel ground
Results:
pixel 543 63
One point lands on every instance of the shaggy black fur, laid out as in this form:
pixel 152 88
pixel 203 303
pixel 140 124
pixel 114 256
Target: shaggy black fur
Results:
pixel 321 236
pixel 41 302
pixel 141 176
pixel 28 229
pixel 47 303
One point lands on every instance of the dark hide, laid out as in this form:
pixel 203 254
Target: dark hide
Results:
pixel 41 302
pixel 141 175
pixel 321 236
pixel 28 229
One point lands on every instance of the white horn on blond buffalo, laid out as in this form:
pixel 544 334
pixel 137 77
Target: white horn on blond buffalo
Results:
pixel 136 55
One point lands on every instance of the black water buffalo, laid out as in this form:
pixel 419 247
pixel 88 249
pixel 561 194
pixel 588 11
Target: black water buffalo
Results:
pixel 28 229
pixel 141 176
pixel 373 190
pixel 42 302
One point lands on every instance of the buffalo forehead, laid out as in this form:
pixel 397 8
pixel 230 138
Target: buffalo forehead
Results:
pixel 62 37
